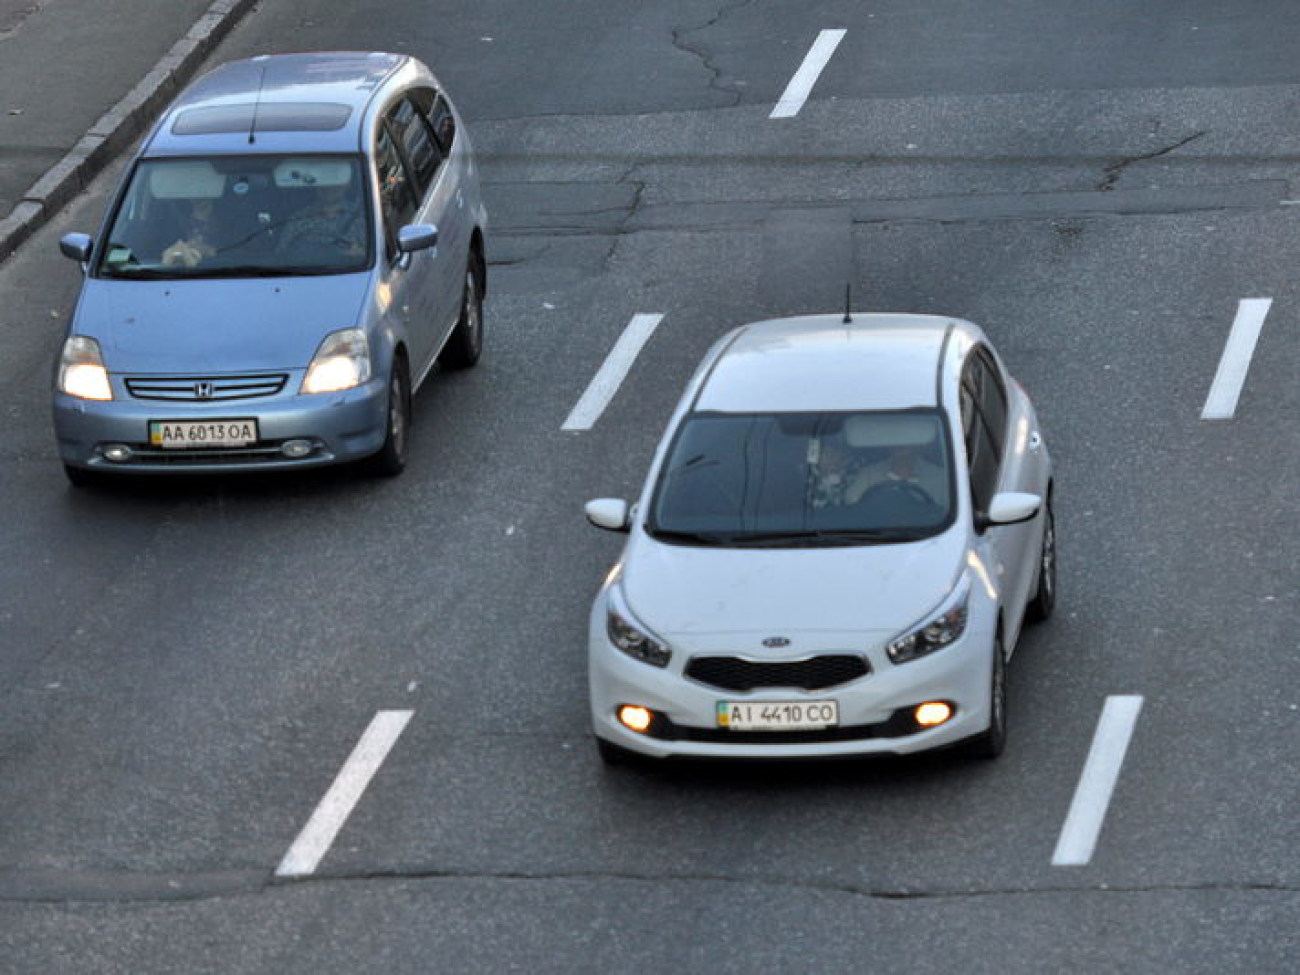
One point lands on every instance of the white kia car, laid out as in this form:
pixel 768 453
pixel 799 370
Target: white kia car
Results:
pixel 843 530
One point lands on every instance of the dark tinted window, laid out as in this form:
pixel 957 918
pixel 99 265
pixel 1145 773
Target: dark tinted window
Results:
pixel 270 117
pixel 983 445
pixel 444 124
pixel 395 193
pixel 817 477
pixel 412 132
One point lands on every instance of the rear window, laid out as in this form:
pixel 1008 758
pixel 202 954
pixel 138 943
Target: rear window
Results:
pixel 270 116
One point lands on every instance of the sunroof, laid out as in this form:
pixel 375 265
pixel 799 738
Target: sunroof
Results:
pixel 271 117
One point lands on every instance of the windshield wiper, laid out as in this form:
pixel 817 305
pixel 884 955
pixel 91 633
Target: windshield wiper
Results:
pixel 247 271
pixel 814 538
pixel 698 538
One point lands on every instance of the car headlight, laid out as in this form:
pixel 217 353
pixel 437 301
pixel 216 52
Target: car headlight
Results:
pixel 631 638
pixel 341 362
pixel 81 370
pixel 944 626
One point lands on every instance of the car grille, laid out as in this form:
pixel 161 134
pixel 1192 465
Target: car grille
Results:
pixel 899 725
pixel 812 674
pixel 206 389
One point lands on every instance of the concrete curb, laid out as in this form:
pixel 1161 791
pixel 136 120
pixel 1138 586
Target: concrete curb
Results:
pixel 117 127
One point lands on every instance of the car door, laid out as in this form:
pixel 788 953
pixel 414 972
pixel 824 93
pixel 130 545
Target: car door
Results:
pixel 997 447
pixel 438 204
pixel 404 276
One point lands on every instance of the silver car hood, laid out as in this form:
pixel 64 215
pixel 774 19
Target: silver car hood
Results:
pixel 221 325
pixel 700 594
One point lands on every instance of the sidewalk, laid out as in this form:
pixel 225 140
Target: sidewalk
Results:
pixel 81 79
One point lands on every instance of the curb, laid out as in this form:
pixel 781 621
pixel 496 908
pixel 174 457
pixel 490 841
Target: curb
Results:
pixel 119 126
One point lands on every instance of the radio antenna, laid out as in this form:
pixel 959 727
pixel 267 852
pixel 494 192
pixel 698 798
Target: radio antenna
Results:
pixel 261 83
pixel 848 303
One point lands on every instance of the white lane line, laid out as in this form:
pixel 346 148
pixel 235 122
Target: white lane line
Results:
pixel 1100 773
pixel 316 837
pixel 610 376
pixel 1221 404
pixel 801 85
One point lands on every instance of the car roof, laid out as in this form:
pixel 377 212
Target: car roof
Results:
pixel 313 102
pixel 820 363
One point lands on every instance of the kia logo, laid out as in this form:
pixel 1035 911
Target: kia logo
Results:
pixel 773 642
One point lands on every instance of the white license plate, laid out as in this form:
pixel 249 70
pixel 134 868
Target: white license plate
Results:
pixel 188 434
pixel 778 715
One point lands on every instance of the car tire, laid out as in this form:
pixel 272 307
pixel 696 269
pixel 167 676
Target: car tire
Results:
pixel 465 344
pixel 990 744
pixel 391 458
pixel 1044 600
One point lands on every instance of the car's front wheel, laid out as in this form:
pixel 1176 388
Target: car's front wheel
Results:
pixel 1044 601
pixel 391 458
pixel 990 743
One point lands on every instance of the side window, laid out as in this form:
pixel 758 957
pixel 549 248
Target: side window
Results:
pixel 993 399
pixel 982 453
pixel 395 193
pixel 444 124
pixel 411 130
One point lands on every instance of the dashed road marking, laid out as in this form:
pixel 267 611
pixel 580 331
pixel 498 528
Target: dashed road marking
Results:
pixel 611 374
pixel 1221 403
pixel 318 835
pixel 1100 773
pixel 801 85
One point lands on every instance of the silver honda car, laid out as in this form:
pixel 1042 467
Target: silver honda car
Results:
pixel 298 242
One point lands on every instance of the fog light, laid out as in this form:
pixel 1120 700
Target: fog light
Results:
pixel 931 714
pixel 118 453
pixel 636 718
pixel 294 449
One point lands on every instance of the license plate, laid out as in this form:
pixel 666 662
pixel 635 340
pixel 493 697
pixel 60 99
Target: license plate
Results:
pixel 188 434
pixel 778 715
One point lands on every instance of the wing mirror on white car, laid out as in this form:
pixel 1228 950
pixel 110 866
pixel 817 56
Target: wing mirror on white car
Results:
pixel 612 514
pixel 1010 508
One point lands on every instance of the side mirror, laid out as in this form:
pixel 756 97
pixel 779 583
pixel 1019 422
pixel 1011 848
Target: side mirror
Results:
pixel 77 246
pixel 1009 508
pixel 417 237
pixel 612 514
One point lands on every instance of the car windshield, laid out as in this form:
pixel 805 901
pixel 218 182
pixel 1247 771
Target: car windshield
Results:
pixel 805 480
pixel 240 216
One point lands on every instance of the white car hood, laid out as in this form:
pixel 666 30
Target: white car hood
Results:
pixel 690 593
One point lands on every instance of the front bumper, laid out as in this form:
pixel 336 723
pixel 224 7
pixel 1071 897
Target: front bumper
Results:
pixel 340 427
pixel 873 709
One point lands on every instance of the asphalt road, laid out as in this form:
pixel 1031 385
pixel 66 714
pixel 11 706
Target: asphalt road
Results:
pixel 188 665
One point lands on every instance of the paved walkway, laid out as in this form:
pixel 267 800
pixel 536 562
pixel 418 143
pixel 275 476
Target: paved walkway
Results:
pixel 79 81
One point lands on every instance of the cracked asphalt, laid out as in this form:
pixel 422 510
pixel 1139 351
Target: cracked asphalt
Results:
pixel 187 665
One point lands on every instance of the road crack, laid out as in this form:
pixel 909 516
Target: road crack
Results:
pixel 680 35
pixel 1115 170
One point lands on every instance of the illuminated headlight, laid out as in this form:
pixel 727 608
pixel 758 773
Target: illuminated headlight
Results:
pixel 81 370
pixel 631 639
pixel 341 362
pixel 941 629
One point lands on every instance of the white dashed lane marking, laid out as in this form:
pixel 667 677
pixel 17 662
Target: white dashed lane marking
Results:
pixel 801 85
pixel 1100 773
pixel 318 835
pixel 1221 404
pixel 611 374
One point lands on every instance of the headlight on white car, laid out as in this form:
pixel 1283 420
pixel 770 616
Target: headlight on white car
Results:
pixel 341 362
pixel 943 627
pixel 81 370
pixel 630 637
